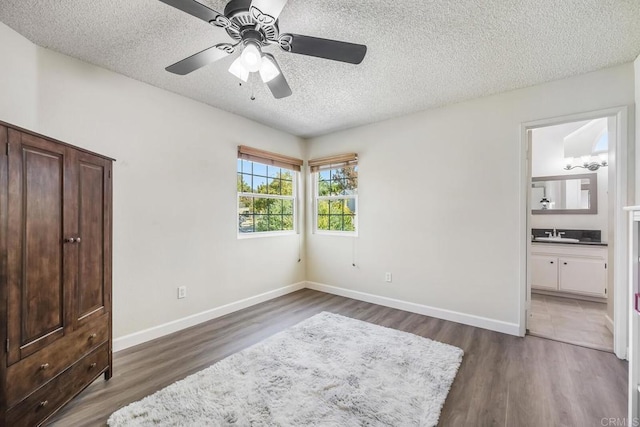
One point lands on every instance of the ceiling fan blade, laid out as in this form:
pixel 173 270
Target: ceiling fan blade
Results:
pixel 278 85
pixel 192 7
pixel 200 59
pixel 266 11
pixel 323 48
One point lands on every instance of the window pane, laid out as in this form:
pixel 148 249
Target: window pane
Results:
pixel 259 185
pixel 287 207
pixel 323 207
pixel 336 187
pixel 245 205
pixel 275 186
pixel 245 184
pixel 261 223
pixel 349 223
pixel 323 222
pixel 273 171
pixel 336 207
pixel 275 222
pixel 259 169
pixel 246 166
pixel 323 188
pixel 350 206
pixel 287 188
pixel 262 214
pixel 261 205
pixel 335 222
pixel 287 222
pixel 245 223
pixel 275 207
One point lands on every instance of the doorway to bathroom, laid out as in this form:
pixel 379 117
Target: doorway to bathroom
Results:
pixel 575 230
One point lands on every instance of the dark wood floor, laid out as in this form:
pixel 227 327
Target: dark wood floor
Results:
pixel 503 380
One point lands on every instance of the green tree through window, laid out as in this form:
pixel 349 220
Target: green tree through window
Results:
pixel 336 199
pixel 266 200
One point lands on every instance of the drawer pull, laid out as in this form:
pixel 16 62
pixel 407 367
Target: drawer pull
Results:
pixel 44 366
pixel 93 336
pixel 44 403
pixel 93 365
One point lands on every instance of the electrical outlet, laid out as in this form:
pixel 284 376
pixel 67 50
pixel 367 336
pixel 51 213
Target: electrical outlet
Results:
pixel 182 292
pixel 387 277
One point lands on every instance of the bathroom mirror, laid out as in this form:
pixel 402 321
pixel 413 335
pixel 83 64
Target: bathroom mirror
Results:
pixel 564 194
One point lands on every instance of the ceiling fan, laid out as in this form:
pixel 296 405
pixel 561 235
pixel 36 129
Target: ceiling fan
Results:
pixel 253 24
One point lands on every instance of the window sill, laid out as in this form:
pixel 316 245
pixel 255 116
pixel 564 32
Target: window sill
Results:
pixel 260 234
pixel 336 233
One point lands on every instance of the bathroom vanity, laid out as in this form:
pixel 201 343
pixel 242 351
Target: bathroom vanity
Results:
pixel 570 268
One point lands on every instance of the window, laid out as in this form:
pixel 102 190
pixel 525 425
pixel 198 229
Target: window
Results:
pixel 266 192
pixel 335 182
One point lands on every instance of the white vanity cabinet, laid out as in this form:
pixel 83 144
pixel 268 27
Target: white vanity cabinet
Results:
pixel 569 268
pixel 544 272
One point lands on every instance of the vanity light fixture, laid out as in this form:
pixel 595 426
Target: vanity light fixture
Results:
pixel 588 162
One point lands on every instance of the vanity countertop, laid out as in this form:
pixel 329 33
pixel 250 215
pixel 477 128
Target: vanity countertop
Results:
pixel 570 243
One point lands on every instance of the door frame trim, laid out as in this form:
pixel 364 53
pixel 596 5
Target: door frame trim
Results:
pixel 618 159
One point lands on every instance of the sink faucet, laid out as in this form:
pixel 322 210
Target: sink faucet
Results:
pixel 554 233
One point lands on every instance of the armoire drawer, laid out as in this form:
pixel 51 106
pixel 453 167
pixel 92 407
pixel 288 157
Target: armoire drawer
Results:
pixel 35 370
pixel 46 400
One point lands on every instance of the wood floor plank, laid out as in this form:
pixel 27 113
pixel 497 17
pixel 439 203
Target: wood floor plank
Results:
pixel 503 380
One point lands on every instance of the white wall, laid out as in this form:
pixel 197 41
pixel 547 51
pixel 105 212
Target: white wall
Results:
pixel 174 183
pixel 18 83
pixel 547 159
pixel 441 197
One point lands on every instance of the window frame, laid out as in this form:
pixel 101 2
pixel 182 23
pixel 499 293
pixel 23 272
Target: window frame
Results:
pixel 315 179
pixel 294 197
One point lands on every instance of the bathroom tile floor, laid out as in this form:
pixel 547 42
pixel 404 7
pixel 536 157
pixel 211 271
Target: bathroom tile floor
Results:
pixel 570 320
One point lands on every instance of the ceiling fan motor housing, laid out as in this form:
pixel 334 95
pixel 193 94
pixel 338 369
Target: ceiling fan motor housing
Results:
pixel 245 28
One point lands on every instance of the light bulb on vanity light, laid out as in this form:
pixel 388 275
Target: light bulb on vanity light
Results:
pixel 586 159
pixel 568 161
pixel 604 158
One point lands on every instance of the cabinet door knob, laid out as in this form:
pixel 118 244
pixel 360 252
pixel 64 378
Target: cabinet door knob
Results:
pixel 44 403
pixel 92 336
pixel 77 239
pixel 93 365
pixel 565 263
pixel 70 240
pixel 551 262
pixel 44 366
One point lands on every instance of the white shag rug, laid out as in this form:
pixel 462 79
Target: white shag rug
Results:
pixel 328 370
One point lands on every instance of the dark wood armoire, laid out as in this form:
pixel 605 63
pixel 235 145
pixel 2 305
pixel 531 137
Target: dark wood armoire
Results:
pixel 55 273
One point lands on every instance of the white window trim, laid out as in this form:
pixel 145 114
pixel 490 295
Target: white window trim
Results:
pixel 293 197
pixel 316 198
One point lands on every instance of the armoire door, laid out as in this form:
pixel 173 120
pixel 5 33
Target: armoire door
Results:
pixel 38 309
pixel 93 201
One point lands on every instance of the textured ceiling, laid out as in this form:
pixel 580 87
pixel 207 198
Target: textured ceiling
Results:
pixel 421 54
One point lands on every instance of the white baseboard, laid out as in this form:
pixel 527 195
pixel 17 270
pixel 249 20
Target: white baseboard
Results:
pixel 454 316
pixel 140 337
pixel 608 323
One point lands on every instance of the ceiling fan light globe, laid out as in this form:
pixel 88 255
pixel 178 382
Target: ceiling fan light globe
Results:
pixel 251 57
pixel 268 70
pixel 238 69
